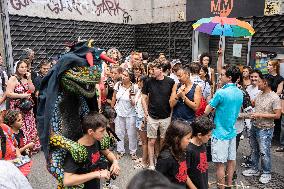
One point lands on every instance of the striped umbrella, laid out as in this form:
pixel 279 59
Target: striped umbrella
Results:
pixel 223 26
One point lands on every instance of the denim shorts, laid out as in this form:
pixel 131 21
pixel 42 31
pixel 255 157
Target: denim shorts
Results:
pixel 223 150
pixel 139 122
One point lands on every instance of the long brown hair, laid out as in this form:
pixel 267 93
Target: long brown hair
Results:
pixel 174 134
pixel 18 65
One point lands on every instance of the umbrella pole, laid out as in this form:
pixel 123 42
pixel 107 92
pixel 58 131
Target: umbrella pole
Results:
pixel 222 47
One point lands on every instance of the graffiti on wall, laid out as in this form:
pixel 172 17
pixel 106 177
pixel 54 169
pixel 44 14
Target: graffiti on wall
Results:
pixel 95 7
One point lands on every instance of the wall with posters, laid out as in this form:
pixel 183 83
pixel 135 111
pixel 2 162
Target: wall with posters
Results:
pixel 114 11
pixel 88 10
pixel 228 8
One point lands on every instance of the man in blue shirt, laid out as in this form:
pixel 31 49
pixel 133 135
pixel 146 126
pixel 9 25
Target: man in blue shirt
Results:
pixel 227 103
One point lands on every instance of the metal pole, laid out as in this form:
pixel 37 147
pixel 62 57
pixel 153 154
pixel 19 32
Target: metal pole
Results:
pixel 249 45
pixel 170 37
pixel 2 46
pixel 6 37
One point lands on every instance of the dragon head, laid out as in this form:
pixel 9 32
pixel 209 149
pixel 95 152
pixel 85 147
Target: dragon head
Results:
pixel 82 80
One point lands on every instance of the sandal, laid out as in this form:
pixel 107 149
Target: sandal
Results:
pixel 119 155
pixel 134 157
pixel 138 160
pixel 140 166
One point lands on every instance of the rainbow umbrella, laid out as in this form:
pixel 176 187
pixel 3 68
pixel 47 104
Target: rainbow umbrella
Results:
pixel 223 26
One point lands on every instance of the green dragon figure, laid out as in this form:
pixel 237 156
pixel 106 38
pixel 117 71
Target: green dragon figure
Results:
pixel 67 93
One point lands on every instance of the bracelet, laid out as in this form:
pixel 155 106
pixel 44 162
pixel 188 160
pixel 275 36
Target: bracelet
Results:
pixel 100 174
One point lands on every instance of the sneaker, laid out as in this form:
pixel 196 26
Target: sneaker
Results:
pixel 280 149
pixel 246 158
pixel 246 165
pixel 251 172
pixel 119 155
pixel 265 178
pixel 134 157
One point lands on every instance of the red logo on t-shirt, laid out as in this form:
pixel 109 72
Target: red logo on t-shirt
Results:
pixel 181 176
pixel 95 157
pixel 203 164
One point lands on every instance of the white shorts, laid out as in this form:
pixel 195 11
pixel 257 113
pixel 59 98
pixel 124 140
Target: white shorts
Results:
pixel 223 150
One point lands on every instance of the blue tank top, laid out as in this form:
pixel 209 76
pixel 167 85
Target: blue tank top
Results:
pixel 181 110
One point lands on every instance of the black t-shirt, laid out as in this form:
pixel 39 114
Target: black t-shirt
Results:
pixel 92 164
pixel 37 82
pixel 175 171
pixel 159 92
pixel 196 160
pixel 110 89
pixel 20 140
pixel 277 79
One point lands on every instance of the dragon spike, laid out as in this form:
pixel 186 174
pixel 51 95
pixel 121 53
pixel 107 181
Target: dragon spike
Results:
pixel 106 58
pixel 90 59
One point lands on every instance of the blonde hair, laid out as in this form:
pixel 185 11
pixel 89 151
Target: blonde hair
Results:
pixel 275 63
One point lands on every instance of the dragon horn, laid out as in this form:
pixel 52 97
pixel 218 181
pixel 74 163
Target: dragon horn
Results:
pixel 90 59
pixel 106 58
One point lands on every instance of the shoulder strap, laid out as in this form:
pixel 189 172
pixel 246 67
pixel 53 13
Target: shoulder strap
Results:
pixel 19 80
pixel 119 84
pixel 178 86
pixel 194 87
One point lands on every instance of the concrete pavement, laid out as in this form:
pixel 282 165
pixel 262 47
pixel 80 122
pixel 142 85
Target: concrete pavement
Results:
pixel 41 179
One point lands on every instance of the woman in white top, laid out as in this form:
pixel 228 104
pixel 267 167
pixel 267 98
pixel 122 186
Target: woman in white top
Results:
pixel 206 91
pixel 206 60
pixel 124 105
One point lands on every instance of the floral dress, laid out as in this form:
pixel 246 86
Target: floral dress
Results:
pixel 29 125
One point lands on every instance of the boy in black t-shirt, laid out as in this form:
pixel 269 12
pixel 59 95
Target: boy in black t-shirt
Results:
pixel 90 172
pixel 196 157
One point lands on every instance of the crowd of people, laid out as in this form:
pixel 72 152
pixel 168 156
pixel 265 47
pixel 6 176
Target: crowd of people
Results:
pixel 178 112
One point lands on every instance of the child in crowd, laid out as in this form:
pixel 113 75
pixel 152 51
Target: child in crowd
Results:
pixel 196 157
pixel 9 150
pixel 90 172
pixel 141 124
pixel 171 161
pixel 13 118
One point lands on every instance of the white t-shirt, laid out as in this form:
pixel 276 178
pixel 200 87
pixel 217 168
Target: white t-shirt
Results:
pixel 174 77
pixel 252 91
pixel 123 105
pixel 11 177
pixel 138 104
